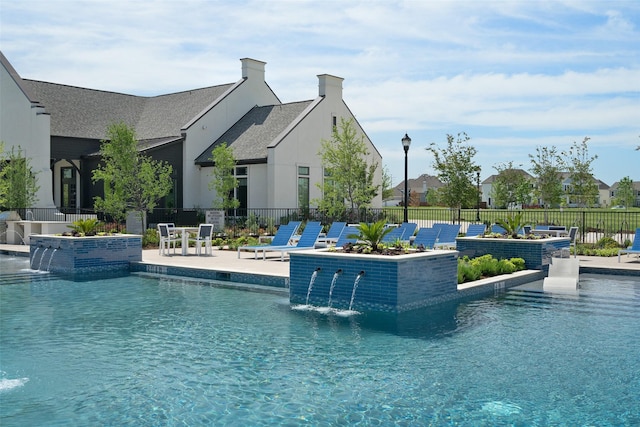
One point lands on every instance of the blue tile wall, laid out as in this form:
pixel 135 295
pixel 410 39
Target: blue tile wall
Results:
pixel 76 256
pixel 389 284
pixel 207 274
pixel 536 253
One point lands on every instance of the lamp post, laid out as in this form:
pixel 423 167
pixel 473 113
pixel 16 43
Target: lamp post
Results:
pixel 406 142
pixel 478 198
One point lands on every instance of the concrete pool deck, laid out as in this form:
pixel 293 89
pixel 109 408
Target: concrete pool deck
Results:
pixel 227 261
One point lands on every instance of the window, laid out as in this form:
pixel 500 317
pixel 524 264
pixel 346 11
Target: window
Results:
pixel 68 188
pixel 241 192
pixel 334 121
pixel 303 187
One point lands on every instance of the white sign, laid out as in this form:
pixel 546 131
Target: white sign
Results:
pixel 216 218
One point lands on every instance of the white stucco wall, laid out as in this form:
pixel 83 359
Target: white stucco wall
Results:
pixel 301 147
pixel 271 185
pixel 248 92
pixel 27 125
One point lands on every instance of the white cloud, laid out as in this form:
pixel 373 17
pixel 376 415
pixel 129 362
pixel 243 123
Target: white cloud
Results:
pixel 502 70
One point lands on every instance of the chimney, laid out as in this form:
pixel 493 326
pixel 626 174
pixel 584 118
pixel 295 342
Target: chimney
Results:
pixel 330 85
pixel 252 69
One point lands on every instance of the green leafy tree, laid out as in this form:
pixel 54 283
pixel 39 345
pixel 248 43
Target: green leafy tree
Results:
pixel 546 166
pixel 18 183
pixel 583 189
pixel 132 181
pixel 349 179
pixel 432 197
pixel 625 193
pixel 223 180
pixel 387 189
pixel 510 186
pixel 456 170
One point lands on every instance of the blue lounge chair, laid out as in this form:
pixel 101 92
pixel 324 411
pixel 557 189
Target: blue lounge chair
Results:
pixel 634 248
pixel 307 240
pixel 409 230
pixel 282 237
pixel 475 230
pixel 334 232
pixel 396 233
pixel 447 235
pixel 495 228
pixel 426 237
pixel 344 238
pixel 296 235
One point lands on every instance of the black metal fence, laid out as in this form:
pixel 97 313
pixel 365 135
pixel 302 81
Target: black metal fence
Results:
pixel 602 222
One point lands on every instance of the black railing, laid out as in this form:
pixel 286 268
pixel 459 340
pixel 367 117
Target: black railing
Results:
pixel 600 222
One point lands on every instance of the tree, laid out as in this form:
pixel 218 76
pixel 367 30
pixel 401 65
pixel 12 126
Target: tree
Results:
pixel 625 194
pixel 132 180
pixel 223 180
pixel 387 189
pixel 456 170
pixel 18 183
pixel 510 186
pixel 583 189
pixel 348 176
pixel 546 168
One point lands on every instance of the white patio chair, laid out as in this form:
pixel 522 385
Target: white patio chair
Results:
pixel 166 239
pixel 205 233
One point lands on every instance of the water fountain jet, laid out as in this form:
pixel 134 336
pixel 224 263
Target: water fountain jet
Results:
pixel 355 286
pixel 333 284
pixel 311 282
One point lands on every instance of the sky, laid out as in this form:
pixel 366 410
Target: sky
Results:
pixel 514 76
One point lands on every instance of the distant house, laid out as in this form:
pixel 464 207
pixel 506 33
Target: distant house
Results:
pixel 636 188
pixel 486 188
pixel 418 190
pixel 276 145
pixel 603 191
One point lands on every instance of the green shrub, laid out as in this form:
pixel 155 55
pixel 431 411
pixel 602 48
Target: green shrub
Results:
pixel 467 272
pixel 150 238
pixel 606 243
pixel 234 244
pixel 486 266
pixel 506 267
pixel 518 263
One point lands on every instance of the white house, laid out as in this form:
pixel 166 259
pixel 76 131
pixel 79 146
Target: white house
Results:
pixel 24 123
pixel 276 145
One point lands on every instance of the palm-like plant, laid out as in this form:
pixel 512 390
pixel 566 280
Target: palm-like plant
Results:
pixel 85 226
pixel 371 235
pixel 512 224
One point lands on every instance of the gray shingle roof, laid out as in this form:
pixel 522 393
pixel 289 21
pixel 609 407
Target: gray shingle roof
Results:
pixel 251 135
pixel 87 113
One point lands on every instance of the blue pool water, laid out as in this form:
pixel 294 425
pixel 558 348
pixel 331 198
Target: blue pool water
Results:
pixel 143 350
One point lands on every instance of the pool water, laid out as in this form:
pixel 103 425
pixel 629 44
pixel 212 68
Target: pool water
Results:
pixel 150 350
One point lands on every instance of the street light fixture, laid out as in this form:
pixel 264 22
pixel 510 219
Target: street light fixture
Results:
pixel 406 142
pixel 478 198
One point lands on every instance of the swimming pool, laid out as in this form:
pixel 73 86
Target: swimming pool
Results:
pixel 145 350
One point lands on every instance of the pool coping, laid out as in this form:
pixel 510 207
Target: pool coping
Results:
pixel 272 276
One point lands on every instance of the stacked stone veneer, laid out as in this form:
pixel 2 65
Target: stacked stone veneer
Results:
pixel 81 255
pixel 389 284
pixel 537 253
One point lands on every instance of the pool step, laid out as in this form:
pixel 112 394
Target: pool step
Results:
pixel 23 277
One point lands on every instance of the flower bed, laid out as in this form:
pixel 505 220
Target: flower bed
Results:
pixel 537 253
